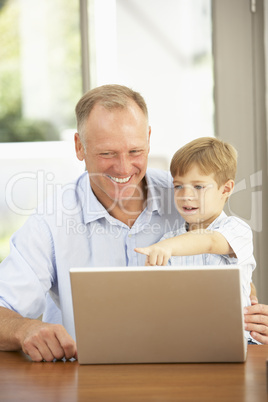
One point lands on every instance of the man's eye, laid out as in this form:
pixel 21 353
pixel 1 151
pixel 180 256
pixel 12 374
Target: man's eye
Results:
pixel 198 187
pixel 106 154
pixel 178 187
pixel 135 151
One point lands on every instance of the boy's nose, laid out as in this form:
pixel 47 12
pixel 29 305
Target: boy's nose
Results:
pixel 188 193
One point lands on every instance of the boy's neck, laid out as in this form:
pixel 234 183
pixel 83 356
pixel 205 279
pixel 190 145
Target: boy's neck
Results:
pixel 195 226
pixel 198 225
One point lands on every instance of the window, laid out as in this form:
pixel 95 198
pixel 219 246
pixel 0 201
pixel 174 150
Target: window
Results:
pixel 162 48
pixel 40 83
pixel 40 77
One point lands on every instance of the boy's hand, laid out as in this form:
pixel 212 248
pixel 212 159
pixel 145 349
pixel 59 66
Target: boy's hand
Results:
pixel 156 254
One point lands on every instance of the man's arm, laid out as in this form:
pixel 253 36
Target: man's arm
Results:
pixel 39 340
pixel 190 243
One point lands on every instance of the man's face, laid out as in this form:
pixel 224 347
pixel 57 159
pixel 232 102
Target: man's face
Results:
pixel 116 155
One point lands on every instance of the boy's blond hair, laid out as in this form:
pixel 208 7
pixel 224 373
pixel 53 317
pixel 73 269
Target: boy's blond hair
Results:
pixel 211 155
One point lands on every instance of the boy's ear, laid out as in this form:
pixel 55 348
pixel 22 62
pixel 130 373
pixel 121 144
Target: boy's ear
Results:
pixel 228 188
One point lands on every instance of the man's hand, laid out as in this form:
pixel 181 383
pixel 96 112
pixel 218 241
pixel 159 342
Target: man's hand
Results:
pixel 256 320
pixel 39 340
pixel 43 341
pixel 157 254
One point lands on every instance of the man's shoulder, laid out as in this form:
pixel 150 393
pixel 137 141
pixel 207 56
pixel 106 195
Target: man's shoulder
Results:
pixel 67 201
pixel 159 177
pixel 75 190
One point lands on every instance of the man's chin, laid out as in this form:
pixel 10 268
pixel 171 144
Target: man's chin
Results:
pixel 117 194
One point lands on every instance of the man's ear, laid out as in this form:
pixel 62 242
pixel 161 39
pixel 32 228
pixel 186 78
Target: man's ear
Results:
pixel 79 148
pixel 149 137
pixel 228 188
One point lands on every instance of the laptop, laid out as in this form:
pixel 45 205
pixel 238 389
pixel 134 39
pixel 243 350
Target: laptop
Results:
pixel 158 314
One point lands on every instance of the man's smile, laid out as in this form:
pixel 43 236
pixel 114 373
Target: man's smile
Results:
pixel 120 180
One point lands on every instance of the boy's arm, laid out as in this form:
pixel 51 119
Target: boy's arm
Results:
pixel 190 243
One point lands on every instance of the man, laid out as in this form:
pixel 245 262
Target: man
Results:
pixel 110 210
pixel 114 207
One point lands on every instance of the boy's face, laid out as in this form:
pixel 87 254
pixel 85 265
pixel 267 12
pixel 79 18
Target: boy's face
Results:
pixel 198 198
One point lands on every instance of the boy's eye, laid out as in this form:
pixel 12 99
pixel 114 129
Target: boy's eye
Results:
pixel 197 187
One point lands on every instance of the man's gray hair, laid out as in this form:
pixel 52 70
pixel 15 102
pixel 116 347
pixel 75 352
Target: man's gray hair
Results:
pixel 109 96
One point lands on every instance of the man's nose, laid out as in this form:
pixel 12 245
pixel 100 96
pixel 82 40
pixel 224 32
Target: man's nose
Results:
pixel 123 164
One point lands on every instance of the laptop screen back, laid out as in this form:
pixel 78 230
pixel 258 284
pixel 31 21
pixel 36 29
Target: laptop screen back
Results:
pixel 158 315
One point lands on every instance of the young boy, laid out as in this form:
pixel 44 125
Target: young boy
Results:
pixel 203 174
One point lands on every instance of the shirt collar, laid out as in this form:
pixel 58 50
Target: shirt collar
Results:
pixel 217 220
pixel 154 197
pixel 212 224
pixel 93 210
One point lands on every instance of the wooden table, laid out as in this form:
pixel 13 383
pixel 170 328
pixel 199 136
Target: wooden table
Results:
pixel 24 380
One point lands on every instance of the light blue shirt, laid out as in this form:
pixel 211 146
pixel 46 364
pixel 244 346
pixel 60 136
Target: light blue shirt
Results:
pixel 75 230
